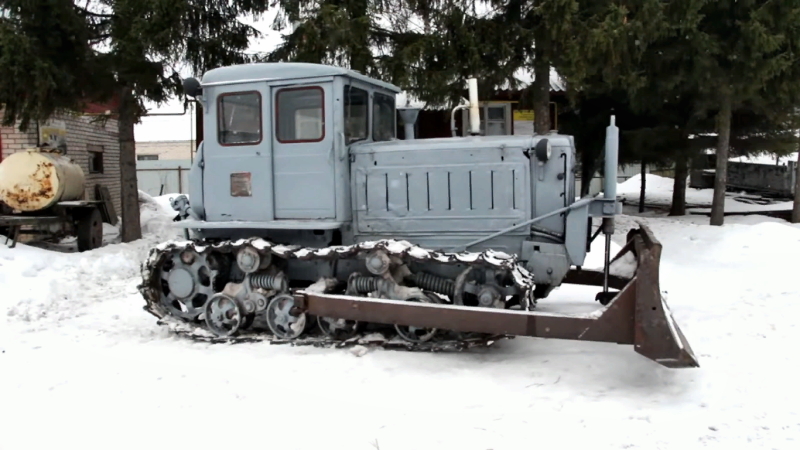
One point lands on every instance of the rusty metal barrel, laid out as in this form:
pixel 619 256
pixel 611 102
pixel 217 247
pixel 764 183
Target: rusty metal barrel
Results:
pixel 35 180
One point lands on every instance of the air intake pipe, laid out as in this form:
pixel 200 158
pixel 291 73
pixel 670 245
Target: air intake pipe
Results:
pixel 409 118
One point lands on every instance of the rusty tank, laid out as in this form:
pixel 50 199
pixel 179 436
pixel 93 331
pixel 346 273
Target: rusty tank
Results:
pixel 35 180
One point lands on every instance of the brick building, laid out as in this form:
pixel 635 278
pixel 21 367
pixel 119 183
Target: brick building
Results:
pixel 164 150
pixel 92 144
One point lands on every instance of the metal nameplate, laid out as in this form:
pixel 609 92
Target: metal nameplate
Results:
pixel 241 185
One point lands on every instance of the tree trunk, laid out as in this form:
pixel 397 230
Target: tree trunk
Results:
pixel 643 187
pixel 541 82
pixel 131 226
pixel 721 176
pixel 587 173
pixel 678 207
pixel 360 50
pixel 796 209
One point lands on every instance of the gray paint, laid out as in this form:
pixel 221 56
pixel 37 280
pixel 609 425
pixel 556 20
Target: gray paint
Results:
pixel 612 141
pixel 457 187
pixel 296 164
pixel 196 184
pixel 438 193
pixel 279 71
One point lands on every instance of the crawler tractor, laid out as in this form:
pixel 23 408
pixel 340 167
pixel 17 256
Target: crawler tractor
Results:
pixel 308 221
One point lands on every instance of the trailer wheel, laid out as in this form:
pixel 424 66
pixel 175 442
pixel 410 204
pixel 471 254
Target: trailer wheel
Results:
pixel 90 230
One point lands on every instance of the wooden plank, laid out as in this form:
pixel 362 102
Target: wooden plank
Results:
pixel 107 206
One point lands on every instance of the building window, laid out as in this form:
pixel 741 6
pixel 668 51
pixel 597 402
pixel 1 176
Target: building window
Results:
pixel 300 115
pixel 239 116
pixel 356 119
pixel 383 118
pixel 95 158
pixel 147 157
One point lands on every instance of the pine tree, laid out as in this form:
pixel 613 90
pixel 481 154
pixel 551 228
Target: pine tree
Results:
pixel 46 61
pixel 743 55
pixel 678 60
pixel 427 47
pixel 796 208
pixel 132 48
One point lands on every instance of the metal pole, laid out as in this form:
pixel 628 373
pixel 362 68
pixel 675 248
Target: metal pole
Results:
pixel 611 156
pixel 192 137
pixel 607 263
pixel 610 190
pixel 579 204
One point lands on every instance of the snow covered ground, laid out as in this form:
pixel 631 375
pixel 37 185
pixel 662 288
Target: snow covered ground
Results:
pixel 81 364
pixel 658 192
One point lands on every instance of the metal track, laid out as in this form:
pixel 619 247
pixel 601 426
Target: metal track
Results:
pixel 151 290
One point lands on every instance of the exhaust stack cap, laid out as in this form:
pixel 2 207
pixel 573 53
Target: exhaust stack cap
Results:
pixel 409 118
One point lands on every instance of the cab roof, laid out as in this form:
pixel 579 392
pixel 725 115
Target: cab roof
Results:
pixel 281 71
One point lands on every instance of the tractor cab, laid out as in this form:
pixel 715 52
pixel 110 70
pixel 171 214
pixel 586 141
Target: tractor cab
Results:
pixel 275 142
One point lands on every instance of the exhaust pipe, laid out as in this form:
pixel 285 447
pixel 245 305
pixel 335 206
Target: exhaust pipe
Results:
pixel 609 193
pixel 409 118
pixel 612 151
pixel 473 107
pixel 474 115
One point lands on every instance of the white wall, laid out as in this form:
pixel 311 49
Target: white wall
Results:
pixel 163 177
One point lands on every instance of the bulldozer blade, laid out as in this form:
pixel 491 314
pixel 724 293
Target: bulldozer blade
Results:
pixel 637 315
pixel 657 334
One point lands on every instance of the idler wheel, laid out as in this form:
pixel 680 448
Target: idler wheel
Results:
pixel 187 281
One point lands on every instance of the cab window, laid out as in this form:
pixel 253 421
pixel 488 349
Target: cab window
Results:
pixel 356 105
pixel 239 116
pixel 383 118
pixel 300 115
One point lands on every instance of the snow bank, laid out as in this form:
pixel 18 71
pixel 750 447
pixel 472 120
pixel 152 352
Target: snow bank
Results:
pixel 766 159
pixel 658 192
pixel 40 284
pixel 43 285
pixel 156 215
pixel 165 201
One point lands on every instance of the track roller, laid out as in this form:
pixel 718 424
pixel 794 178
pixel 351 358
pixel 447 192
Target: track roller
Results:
pixel 284 319
pixel 224 315
pixel 338 329
pixel 416 334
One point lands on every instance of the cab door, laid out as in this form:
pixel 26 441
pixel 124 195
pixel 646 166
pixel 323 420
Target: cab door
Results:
pixel 237 174
pixel 303 156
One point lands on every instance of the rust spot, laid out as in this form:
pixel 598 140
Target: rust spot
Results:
pixel 21 196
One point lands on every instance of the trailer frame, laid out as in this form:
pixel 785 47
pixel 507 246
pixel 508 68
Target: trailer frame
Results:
pixel 81 218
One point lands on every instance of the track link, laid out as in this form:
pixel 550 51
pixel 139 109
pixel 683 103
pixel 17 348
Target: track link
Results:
pixel 152 290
